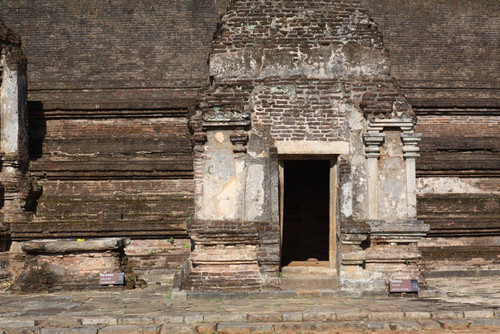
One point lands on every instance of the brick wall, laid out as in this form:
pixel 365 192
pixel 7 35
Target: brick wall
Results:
pixel 110 87
pixel 459 144
pixel 148 59
pixel 302 24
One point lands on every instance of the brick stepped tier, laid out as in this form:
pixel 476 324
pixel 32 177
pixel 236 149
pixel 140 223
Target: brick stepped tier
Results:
pixel 460 214
pixel 224 256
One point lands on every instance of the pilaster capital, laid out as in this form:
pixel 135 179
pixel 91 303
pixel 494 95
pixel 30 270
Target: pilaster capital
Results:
pixel 410 144
pixel 405 124
pixel 199 139
pixel 373 139
pixel 239 140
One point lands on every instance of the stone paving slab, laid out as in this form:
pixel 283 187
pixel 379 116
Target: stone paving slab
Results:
pixel 152 310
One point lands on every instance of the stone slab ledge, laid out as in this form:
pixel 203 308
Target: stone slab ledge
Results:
pixel 58 246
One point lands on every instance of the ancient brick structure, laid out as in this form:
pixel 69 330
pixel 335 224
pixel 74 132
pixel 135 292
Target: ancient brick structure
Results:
pixel 391 106
pixel 302 80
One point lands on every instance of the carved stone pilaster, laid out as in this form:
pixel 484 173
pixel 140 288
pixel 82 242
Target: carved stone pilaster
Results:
pixel 373 138
pixel 411 152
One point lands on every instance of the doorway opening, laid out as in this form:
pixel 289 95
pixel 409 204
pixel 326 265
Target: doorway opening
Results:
pixel 307 213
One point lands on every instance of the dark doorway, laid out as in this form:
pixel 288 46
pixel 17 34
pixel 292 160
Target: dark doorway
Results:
pixel 5 242
pixel 306 222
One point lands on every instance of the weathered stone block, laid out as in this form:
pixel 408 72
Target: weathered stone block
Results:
pixel 447 314
pixel 454 324
pixel 479 314
pixel 99 321
pixel 16 322
pixel 378 316
pixel 124 329
pixel 68 331
pixel 417 315
pixel 238 327
pixel 193 318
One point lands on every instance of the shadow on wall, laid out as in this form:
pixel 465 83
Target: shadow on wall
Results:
pixel 5 242
pixel 37 129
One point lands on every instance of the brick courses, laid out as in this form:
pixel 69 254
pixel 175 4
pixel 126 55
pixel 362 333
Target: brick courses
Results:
pixel 111 85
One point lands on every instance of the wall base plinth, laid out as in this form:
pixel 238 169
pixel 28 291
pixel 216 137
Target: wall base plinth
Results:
pixel 376 251
pixel 231 256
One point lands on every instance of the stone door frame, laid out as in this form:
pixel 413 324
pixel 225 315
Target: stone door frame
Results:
pixel 333 199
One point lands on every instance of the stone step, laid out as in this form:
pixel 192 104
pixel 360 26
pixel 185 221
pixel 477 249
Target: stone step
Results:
pixel 308 270
pixel 310 282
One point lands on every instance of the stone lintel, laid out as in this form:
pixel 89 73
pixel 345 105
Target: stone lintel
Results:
pixel 55 246
pixel 227 119
pixel 226 124
pixel 313 147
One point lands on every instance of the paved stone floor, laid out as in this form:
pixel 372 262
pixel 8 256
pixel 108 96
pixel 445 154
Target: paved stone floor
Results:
pixel 465 305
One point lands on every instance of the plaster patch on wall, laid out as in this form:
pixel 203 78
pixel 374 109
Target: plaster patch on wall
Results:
pixel 254 192
pixel 392 186
pixel 322 63
pixel 219 136
pixel 442 185
pixel 346 199
pixel 355 118
pixel 9 111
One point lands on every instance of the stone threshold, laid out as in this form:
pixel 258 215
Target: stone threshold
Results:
pixel 276 294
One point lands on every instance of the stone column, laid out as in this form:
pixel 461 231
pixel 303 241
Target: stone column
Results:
pixel 13 134
pixel 410 153
pixel 373 138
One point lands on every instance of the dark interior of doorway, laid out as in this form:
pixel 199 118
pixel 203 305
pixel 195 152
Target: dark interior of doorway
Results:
pixel 306 223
